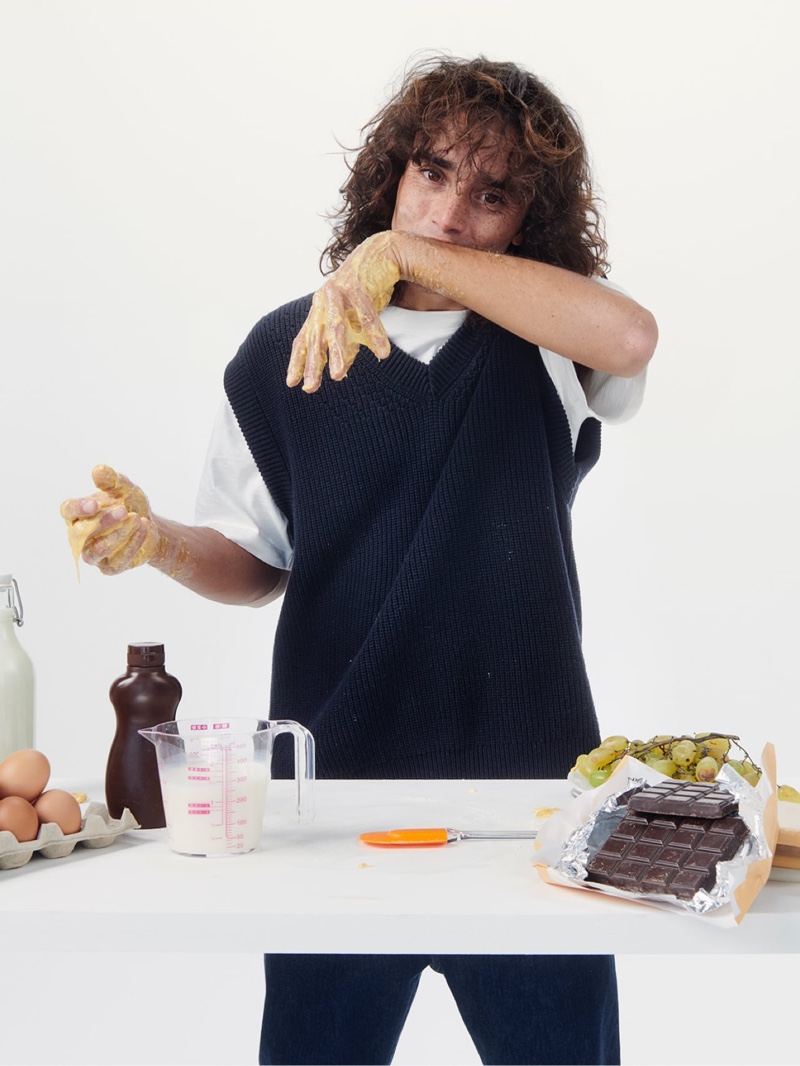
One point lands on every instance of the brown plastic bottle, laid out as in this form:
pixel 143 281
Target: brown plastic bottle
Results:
pixel 144 696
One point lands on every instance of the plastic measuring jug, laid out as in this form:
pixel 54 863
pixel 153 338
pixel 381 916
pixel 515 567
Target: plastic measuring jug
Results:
pixel 213 774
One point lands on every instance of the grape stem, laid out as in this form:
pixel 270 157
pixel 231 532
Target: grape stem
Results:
pixel 641 749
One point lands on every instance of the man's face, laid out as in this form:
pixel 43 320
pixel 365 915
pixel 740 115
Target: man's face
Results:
pixel 449 197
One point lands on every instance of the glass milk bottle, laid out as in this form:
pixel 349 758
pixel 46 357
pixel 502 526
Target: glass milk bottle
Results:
pixel 16 674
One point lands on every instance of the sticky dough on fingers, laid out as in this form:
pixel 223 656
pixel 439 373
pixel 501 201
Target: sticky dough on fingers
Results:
pixel 119 489
pixel 82 529
pixel 343 315
pixel 114 489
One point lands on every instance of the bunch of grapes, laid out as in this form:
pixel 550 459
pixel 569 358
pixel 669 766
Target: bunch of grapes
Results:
pixel 683 758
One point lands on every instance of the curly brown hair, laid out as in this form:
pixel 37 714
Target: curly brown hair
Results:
pixel 548 163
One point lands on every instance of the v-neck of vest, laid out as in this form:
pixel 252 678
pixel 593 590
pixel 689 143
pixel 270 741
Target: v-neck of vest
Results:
pixel 436 378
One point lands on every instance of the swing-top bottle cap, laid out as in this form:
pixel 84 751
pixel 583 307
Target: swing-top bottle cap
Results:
pixel 10 598
pixel 145 655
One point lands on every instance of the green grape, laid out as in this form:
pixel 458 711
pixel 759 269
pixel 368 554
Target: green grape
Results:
pixel 751 774
pixel 581 765
pixel 737 766
pixel 664 766
pixel 597 777
pixel 594 759
pixel 684 753
pixel 615 744
pixel 598 758
pixel 706 769
pixel 659 745
pixel 716 747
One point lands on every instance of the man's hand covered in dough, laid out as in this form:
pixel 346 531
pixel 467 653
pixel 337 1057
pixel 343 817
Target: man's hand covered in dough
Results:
pixel 344 314
pixel 113 529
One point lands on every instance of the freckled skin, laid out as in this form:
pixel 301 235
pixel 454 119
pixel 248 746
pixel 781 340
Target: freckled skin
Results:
pixel 457 205
pixel 446 199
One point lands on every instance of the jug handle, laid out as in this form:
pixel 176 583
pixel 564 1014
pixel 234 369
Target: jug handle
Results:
pixel 303 763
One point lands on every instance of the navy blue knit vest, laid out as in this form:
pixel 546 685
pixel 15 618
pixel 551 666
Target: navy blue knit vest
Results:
pixel 431 624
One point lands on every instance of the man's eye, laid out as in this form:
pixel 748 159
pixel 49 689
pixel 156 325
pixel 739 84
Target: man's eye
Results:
pixel 429 173
pixel 493 199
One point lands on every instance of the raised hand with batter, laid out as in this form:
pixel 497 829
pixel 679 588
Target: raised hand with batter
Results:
pixel 344 314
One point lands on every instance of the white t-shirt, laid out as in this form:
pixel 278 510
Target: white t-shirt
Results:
pixel 233 499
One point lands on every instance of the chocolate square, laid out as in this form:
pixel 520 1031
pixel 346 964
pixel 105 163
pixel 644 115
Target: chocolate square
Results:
pixel 684 798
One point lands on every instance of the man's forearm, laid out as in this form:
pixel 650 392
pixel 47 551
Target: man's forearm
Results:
pixel 555 308
pixel 209 564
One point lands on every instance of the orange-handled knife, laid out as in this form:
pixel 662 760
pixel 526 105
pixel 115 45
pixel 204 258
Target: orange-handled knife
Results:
pixel 427 837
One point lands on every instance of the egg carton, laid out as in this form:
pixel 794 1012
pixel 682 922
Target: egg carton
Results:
pixel 98 830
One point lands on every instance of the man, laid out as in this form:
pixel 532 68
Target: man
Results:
pixel 431 626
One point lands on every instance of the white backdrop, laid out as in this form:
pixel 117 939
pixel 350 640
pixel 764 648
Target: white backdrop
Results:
pixel 166 170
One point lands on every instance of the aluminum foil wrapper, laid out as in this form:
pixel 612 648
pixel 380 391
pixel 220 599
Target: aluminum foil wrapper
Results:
pixel 569 842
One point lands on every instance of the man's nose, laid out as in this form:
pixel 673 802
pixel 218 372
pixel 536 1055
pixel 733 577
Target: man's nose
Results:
pixel 451 210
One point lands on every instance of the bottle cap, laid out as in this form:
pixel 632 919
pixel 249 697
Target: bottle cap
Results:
pixel 145 655
pixel 9 590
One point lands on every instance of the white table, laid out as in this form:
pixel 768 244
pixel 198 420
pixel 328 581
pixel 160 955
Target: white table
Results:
pixel 316 888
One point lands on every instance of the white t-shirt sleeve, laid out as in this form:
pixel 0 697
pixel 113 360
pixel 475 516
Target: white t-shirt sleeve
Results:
pixel 233 499
pixel 604 396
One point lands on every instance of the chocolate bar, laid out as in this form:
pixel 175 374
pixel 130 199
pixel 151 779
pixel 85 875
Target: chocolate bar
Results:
pixel 698 798
pixel 653 849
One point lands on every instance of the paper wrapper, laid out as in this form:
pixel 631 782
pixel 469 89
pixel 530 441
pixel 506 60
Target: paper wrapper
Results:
pixel 571 837
pixel 787 851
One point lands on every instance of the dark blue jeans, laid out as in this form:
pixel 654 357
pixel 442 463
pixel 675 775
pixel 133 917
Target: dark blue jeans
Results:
pixel 525 1009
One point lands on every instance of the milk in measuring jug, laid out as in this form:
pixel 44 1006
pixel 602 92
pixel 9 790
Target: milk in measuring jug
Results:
pixel 215 818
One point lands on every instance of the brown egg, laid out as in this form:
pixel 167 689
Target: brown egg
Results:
pixel 19 818
pixel 60 807
pixel 24 773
